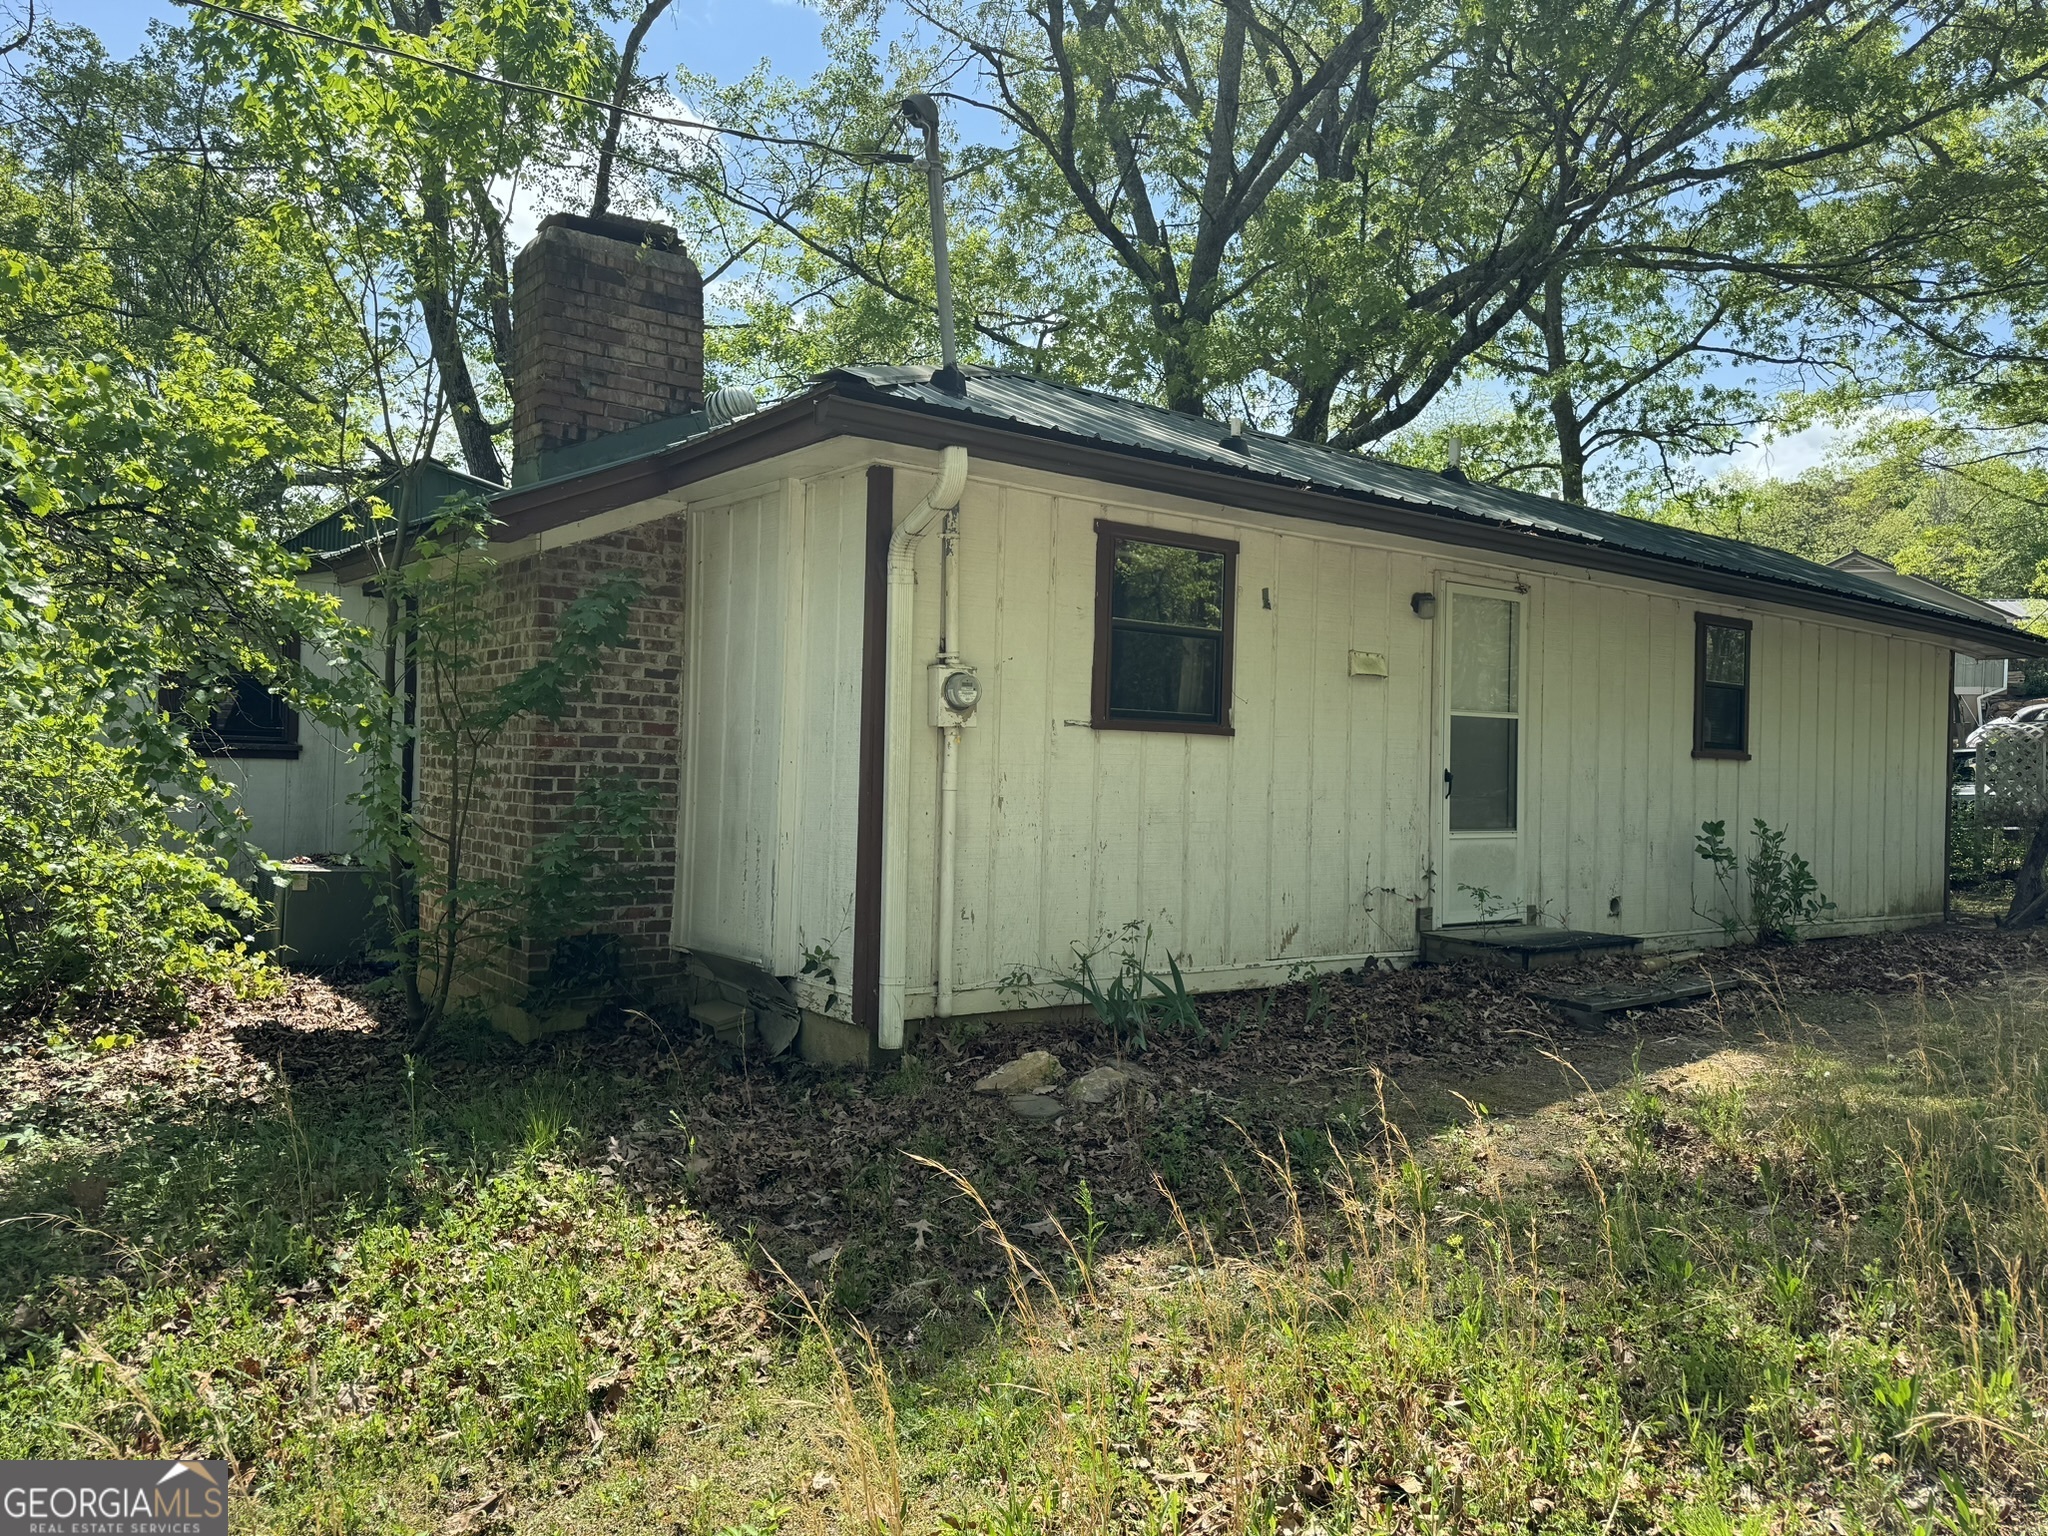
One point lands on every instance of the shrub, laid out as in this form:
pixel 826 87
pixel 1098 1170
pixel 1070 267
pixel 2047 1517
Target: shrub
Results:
pixel 1784 896
pixel 108 897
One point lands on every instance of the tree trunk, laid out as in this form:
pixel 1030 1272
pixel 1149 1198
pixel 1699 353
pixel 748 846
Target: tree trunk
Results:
pixel 1571 447
pixel 435 266
pixel 2030 886
pixel 1564 410
pixel 444 339
pixel 629 59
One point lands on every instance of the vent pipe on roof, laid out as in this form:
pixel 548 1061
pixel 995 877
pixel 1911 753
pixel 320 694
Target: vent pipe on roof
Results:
pixel 923 113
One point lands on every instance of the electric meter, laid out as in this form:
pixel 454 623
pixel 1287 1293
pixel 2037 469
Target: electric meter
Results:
pixel 955 693
pixel 961 691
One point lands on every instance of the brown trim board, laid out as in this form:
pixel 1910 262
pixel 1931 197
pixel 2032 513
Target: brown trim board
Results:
pixel 822 414
pixel 1435 525
pixel 873 749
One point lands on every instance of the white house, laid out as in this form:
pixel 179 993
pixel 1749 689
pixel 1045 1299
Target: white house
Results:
pixel 940 682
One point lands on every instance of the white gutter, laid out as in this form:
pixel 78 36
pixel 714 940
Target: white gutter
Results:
pixel 902 596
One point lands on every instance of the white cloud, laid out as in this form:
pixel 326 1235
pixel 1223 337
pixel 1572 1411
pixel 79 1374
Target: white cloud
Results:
pixel 1788 456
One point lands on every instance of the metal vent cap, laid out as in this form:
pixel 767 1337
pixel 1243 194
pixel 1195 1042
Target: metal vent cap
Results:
pixel 729 404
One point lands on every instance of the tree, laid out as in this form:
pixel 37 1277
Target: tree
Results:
pixel 1327 216
pixel 123 175
pixel 1929 494
pixel 129 550
pixel 129 547
pixel 1634 372
pixel 389 128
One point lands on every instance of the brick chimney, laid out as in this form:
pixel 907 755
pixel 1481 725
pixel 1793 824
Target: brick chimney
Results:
pixel 607 331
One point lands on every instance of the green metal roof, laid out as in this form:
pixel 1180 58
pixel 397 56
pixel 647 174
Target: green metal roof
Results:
pixel 1020 406
pixel 1020 403
pixel 413 493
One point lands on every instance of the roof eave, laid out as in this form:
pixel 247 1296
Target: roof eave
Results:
pixel 845 407
pixel 870 414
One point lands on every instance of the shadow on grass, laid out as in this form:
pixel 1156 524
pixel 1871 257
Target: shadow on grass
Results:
pixel 492 1250
pixel 267 1174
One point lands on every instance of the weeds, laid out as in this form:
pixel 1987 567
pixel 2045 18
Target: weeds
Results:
pixel 1800 1298
pixel 1784 898
pixel 1118 981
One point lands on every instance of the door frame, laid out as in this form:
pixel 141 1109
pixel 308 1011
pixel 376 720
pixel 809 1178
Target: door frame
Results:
pixel 1440 834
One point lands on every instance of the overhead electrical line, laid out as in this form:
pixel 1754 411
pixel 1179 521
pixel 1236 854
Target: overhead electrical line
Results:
pixel 487 77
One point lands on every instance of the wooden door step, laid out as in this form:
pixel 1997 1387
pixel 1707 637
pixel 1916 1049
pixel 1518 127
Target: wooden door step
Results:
pixel 1591 1007
pixel 1527 945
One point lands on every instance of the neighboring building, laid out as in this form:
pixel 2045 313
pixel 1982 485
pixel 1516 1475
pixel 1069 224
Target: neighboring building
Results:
pixel 293 778
pixel 1286 705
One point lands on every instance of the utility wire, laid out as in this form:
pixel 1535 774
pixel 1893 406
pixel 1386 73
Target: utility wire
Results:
pixel 486 77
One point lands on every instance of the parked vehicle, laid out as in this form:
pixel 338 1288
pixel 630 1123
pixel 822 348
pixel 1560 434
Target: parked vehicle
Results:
pixel 2026 714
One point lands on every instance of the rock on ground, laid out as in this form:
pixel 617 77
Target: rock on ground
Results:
pixel 1102 1085
pixel 1027 1074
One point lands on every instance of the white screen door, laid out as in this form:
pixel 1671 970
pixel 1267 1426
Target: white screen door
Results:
pixel 1480 793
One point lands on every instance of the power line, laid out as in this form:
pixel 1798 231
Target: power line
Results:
pixel 486 77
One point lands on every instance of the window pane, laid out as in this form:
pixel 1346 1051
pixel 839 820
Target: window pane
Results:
pixel 249 715
pixel 1723 715
pixel 1483 654
pixel 1165 584
pixel 1163 677
pixel 1727 655
pixel 1483 774
pixel 253 713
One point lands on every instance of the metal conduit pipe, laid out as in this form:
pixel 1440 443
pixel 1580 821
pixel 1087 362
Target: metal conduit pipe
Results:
pixel 895 959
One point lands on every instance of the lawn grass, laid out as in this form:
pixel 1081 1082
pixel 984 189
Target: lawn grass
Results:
pixel 1785 1277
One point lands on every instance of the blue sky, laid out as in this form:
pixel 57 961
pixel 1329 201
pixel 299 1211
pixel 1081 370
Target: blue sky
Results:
pixel 723 37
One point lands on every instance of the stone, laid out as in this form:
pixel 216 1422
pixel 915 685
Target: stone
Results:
pixel 1027 1074
pixel 1036 1106
pixel 1102 1085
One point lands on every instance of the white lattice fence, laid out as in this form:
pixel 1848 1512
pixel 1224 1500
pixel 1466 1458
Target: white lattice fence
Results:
pixel 2012 770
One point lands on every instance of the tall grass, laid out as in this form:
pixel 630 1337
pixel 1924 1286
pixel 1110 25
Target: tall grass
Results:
pixel 1794 1285
pixel 1802 1297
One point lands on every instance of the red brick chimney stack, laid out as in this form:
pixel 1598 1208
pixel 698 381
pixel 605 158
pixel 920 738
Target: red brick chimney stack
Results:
pixel 607 331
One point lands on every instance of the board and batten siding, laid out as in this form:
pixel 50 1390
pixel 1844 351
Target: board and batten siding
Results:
pixel 771 727
pixel 1310 834
pixel 303 805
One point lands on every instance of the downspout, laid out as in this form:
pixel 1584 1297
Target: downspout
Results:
pixel 902 594
pixel 949 767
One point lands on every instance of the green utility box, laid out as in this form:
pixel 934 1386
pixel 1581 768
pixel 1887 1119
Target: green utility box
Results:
pixel 322 915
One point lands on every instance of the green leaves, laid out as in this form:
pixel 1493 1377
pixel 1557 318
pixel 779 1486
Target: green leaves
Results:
pixel 110 906
pixel 1327 218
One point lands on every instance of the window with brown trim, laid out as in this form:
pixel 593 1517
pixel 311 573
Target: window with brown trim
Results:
pixel 1165 621
pixel 1720 710
pixel 247 720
